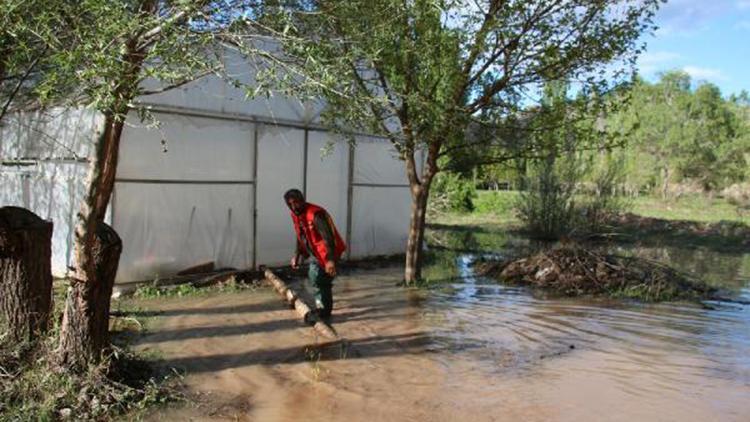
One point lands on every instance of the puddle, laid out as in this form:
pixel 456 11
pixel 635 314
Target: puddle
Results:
pixel 469 350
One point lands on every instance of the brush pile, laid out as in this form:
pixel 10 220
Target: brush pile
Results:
pixel 572 270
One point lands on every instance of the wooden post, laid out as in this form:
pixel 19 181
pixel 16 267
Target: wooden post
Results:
pixel 25 273
pixel 302 309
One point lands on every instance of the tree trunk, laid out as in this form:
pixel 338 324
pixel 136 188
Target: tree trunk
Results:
pixel 25 273
pixel 83 335
pixel 85 329
pixel 665 184
pixel 414 244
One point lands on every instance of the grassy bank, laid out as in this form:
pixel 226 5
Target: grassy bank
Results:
pixel 690 207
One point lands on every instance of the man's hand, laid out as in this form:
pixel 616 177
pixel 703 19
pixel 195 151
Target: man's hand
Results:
pixel 331 268
pixel 295 262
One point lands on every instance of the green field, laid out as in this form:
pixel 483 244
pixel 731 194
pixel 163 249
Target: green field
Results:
pixel 492 207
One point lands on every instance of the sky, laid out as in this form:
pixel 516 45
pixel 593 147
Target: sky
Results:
pixel 709 39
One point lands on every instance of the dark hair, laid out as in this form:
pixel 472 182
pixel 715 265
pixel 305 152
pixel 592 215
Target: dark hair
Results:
pixel 294 193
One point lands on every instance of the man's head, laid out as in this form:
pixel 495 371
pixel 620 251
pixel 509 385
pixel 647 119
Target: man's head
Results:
pixel 295 200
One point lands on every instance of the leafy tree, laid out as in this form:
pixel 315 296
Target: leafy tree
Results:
pixel 30 32
pixel 421 72
pixel 675 134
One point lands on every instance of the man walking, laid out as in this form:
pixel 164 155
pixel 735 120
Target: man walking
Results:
pixel 318 239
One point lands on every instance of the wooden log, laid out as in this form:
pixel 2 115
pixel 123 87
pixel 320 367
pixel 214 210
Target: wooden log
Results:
pixel 205 267
pixel 300 307
pixel 25 273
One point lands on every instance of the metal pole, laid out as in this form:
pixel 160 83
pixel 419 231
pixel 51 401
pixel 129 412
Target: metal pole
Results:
pixel 255 196
pixel 304 165
pixel 349 202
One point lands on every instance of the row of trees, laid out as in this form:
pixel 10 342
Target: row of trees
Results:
pixel 664 135
pixel 684 134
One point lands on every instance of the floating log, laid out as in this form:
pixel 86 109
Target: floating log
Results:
pixel 303 310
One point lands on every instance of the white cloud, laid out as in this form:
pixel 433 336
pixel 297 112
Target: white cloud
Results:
pixel 704 73
pixel 652 62
pixel 742 25
pixel 743 4
pixel 688 16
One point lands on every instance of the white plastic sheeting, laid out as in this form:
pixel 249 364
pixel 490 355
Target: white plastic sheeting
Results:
pixel 328 175
pixel 281 153
pixel 376 162
pixel 168 227
pixel 188 192
pixel 380 200
pixel 187 148
pixel 50 135
pixel 213 94
pixel 184 195
pixel 380 222
pixel 40 170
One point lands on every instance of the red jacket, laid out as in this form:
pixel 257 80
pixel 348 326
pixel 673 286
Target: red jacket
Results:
pixel 317 243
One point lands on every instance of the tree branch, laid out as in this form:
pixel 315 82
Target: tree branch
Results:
pixel 20 83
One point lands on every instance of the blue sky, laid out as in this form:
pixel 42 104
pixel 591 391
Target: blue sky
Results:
pixel 709 39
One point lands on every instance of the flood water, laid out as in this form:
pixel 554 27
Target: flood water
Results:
pixel 467 349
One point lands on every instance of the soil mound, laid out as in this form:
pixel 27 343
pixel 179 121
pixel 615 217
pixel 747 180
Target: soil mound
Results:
pixel 572 270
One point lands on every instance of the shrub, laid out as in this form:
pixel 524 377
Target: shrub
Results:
pixel 557 203
pixel 547 207
pixel 451 192
pixel 606 200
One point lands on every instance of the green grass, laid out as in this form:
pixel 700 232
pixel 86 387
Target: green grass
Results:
pixel 490 208
pixel 493 207
pixel 150 291
pixel 690 207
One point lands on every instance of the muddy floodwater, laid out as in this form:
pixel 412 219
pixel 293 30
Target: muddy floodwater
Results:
pixel 469 349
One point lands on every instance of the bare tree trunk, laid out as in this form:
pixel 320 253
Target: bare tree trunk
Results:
pixel 665 183
pixel 414 244
pixel 85 326
pixel 25 273
pixel 420 193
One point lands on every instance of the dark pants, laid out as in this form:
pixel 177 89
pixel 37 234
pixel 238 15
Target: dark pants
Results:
pixel 323 284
